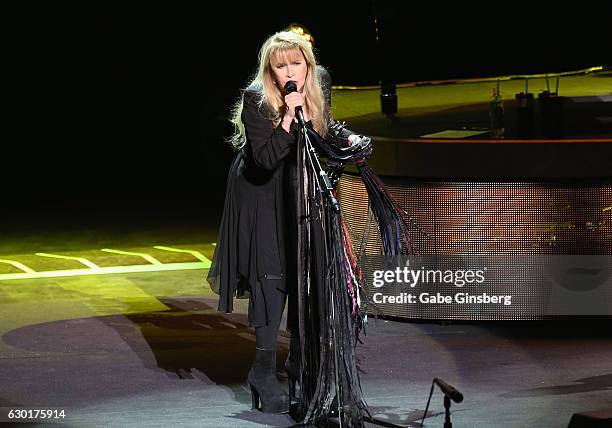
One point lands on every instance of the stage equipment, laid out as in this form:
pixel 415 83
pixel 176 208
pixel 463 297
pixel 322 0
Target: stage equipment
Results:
pixel 551 111
pixel 524 112
pixel 496 114
pixel 386 25
pixel 450 393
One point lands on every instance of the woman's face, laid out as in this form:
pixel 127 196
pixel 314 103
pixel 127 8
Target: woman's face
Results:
pixel 290 65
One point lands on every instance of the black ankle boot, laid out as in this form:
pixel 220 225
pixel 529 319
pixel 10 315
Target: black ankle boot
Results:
pixel 266 393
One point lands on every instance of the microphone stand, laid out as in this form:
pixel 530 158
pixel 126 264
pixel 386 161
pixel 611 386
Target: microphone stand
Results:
pixel 327 188
pixel 447 404
pixel 448 392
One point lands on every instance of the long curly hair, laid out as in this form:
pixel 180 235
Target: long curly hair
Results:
pixel 280 45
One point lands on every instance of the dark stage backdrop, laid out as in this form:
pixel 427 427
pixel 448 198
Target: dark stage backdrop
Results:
pixel 126 106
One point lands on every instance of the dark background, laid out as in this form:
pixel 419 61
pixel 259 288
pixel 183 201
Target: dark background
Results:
pixel 125 108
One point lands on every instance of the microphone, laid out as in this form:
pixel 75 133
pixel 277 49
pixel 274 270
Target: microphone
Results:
pixel 290 87
pixel 449 391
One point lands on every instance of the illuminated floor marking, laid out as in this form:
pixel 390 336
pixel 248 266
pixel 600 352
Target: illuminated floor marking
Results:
pixel 94 269
pixel 78 259
pixel 106 270
pixel 194 253
pixel 18 265
pixel 145 256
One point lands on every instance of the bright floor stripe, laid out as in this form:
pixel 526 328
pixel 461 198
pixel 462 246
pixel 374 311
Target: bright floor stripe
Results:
pixel 106 270
pixel 18 265
pixel 194 253
pixel 145 256
pixel 78 259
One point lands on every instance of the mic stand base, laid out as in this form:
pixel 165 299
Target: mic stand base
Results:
pixel 334 422
pixel 447 404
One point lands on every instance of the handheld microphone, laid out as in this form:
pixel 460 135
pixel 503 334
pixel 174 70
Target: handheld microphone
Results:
pixel 449 391
pixel 290 87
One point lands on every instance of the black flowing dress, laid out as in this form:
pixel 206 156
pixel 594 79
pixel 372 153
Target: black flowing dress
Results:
pixel 249 256
pixel 255 249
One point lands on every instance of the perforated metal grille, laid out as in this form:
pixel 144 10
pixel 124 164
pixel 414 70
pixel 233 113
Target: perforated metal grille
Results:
pixel 490 219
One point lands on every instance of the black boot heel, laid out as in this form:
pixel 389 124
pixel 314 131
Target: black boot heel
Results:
pixel 266 393
pixel 255 400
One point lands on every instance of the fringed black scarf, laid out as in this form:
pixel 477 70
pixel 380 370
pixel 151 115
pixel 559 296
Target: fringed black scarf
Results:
pixel 330 283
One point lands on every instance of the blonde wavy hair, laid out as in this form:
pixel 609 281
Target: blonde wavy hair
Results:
pixel 280 45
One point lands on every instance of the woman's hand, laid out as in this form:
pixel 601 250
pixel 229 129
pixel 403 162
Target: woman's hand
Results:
pixel 359 141
pixel 293 100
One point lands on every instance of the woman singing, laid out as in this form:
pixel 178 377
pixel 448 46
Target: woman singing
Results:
pixel 275 239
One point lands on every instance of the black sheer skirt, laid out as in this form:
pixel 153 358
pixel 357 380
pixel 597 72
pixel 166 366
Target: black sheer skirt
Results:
pixel 247 262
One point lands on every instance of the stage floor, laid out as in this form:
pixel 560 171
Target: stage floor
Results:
pixel 150 349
